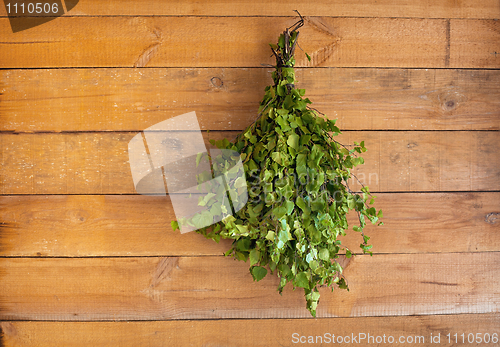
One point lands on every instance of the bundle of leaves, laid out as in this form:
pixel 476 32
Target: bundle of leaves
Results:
pixel 298 194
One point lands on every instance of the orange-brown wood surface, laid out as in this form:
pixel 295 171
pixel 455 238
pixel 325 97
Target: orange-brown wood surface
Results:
pixel 354 8
pixel 86 261
pixel 253 332
pixel 228 98
pixel 98 163
pixel 151 288
pixel 135 225
pixel 243 42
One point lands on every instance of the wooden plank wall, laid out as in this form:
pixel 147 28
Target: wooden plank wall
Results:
pixel 84 261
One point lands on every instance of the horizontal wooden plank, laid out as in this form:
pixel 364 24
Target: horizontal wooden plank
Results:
pixel 358 8
pixel 74 225
pixel 97 163
pixel 228 98
pixel 219 287
pixel 255 332
pixel 243 42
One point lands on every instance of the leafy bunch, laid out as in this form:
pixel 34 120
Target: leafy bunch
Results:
pixel 298 193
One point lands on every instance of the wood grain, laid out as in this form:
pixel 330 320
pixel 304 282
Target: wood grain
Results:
pixel 81 226
pixel 150 288
pixel 97 163
pixel 228 98
pixel 475 43
pixel 243 42
pixel 103 267
pixel 245 332
pixel 358 8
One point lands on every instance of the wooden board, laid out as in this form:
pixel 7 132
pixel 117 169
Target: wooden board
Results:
pixel 81 226
pixel 228 98
pixel 97 163
pixel 254 332
pixel 243 42
pixel 341 8
pixel 150 288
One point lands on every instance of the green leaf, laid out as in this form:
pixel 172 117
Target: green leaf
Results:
pixel 309 257
pixel 284 269
pixel 277 157
pixel 283 238
pixel 315 234
pixel 252 166
pixel 282 111
pixel 315 296
pixel 324 254
pixel 293 141
pixel 283 123
pixel 258 272
pixel 281 41
pixel 202 219
pixel 254 256
pixel 301 105
pixel 270 235
pixel 175 225
pixel 198 158
pixel 272 266
pixel 281 90
pixel 243 244
pixel 304 139
pixel 279 212
pixel 318 205
pixel 308 57
pixel 302 280
pixel 207 197
pixel 351 203
pixel 314 265
pixel 243 256
pixel 243 229
pixel 342 284
pixel 358 161
pixel 302 205
pixel 240 182
pixel 301 160
pixel 288 103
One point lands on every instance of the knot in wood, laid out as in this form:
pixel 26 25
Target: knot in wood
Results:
pixel 450 104
pixel 216 82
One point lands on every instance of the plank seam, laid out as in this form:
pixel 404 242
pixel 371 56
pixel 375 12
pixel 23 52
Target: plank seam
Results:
pixel 243 319
pixel 14 132
pixel 258 16
pixel 250 67
pixel 221 255
pixel 372 191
